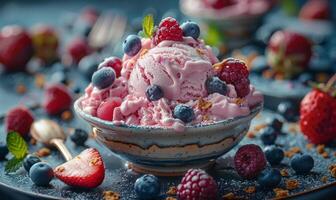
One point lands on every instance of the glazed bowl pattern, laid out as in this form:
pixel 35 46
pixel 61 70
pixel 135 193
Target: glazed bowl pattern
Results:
pixel 165 151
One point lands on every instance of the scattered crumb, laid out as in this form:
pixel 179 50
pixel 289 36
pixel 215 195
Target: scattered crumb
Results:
pixel 110 195
pixel 292 151
pixel 239 101
pixel 200 52
pixel 324 179
pixel 320 148
pixel 291 184
pixel 250 189
pixel 293 128
pixel 143 52
pixel 205 117
pixel 279 192
pixel 259 127
pixel 332 166
pixel 229 196
pixel 66 115
pixel 60 169
pixel 170 198
pixel 268 74
pixel 203 105
pixel 251 134
pixel 39 80
pixel 32 141
pixel 332 170
pixel 284 173
pixel 325 155
pixel 21 89
pixel 172 191
pixel 309 146
pixel 43 152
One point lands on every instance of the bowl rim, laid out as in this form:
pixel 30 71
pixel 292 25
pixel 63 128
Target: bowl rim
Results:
pixel 99 123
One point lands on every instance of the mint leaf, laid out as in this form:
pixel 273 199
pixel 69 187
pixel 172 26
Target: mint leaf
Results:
pixel 16 145
pixel 290 7
pixel 213 36
pixel 148 26
pixel 13 165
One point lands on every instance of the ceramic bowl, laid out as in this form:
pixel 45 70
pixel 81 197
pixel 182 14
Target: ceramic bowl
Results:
pixel 167 152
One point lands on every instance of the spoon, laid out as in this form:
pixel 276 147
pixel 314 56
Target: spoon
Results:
pixel 50 133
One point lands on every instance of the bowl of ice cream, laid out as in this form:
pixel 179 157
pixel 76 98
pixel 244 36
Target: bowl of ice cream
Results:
pixel 173 105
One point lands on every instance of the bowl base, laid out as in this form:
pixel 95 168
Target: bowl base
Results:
pixel 168 171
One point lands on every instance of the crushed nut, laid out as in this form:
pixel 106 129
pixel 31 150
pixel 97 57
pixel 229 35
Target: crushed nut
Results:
pixel 320 148
pixel 200 51
pixel 239 101
pixel 203 105
pixel 292 151
pixel 332 166
pixel 143 52
pixel 291 184
pixel 333 172
pixel 170 198
pixel 39 80
pixel 94 161
pixel 324 179
pixel 284 173
pixel 66 115
pixel 60 169
pixel 43 152
pixel 293 128
pixel 250 189
pixel 205 117
pixel 259 127
pixel 229 196
pixel 325 155
pixel 309 146
pixel 279 192
pixel 251 134
pixel 21 89
pixel 172 191
pixel 110 195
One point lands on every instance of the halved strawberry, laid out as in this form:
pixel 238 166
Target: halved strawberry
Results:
pixel 85 170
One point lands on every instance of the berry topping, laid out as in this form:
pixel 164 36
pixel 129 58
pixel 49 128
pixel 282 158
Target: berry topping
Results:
pixel 218 4
pixel 197 184
pixel 275 123
pixel 184 113
pixel 215 85
pixel 274 155
pixel 234 71
pixel 103 78
pixel 77 49
pixel 113 62
pixel 19 119
pixel 3 150
pixel 79 137
pixel 147 187
pixel 57 98
pixel 41 174
pixel 85 170
pixel 302 164
pixel 132 45
pixel 268 135
pixel 249 161
pixel 315 10
pixel 288 110
pixel 269 178
pixel 169 29
pixel 154 93
pixel 190 29
pixel 106 108
pixel 29 161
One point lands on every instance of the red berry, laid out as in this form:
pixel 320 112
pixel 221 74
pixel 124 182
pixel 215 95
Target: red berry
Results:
pixel 106 108
pixel 197 185
pixel 113 62
pixel 57 98
pixel 77 49
pixel 318 117
pixel 169 29
pixel 218 4
pixel 85 170
pixel 234 71
pixel 315 9
pixel 16 48
pixel 19 119
pixel 249 161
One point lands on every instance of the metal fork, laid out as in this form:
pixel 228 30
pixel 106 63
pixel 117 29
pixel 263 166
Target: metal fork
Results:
pixel 108 30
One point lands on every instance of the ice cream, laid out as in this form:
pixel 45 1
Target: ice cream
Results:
pixel 182 71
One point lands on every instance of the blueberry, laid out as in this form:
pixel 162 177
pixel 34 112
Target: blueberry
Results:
pixel 3 150
pixel 184 113
pixel 215 85
pixel 274 155
pixel 132 45
pixel 275 123
pixel 154 93
pixel 41 174
pixel 268 136
pixel 103 78
pixel 302 164
pixel 79 136
pixel 305 78
pixel 29 161
pixel 287 110
pixel 88 65
pixel 191 29
pixel 269 178
pixel 147 187
pixel 59 77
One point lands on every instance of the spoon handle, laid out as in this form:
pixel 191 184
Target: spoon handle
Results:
pixel 62 148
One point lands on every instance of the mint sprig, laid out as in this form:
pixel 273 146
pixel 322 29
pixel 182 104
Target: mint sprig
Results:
pixel 19 148
pixel 148 26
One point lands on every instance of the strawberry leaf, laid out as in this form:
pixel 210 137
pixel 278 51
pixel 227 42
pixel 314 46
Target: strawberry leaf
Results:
pixel 13 165
pixel 16 145
pixel 148 26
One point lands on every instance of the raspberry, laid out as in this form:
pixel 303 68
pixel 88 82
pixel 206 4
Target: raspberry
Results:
pixel 249 161
pixel 234 71
pixel 19 119
pixel 169 29
pixel 57 98
pixel 197 185
pixel 106 108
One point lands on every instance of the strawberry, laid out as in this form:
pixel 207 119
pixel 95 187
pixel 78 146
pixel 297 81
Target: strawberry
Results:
pixel 288 53
pixel 106 108
pixel 318 114
pixel 19 119
pixel 85 170
pixel 78 49
pixel 57 98
pixel 315 9
pixel 218 4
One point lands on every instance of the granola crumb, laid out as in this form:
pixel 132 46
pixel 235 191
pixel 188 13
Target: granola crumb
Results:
pixel 292 184
pixel 43 152
pixel 320 148
pixel 333 172
pixel 250 189
pixel 279 192
pixel 170 198
pixel 21 89
pixel 325 155
pixel 32 141
pixel 172 191
pixel 66 115
pixel 284 173
pixel 293 128
pixel 309 146
pixel 39 80
pixel 324 179
pixel 292 151
pixel 259 127
pixel 110 195
pixel 229 196
pixel 332 166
